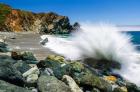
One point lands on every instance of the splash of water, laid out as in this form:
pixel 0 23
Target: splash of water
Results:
pixel 100 42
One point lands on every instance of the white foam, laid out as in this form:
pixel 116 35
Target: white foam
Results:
pixel 101 41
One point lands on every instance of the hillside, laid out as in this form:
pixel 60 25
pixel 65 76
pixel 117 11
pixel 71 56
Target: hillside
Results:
pixel 15 20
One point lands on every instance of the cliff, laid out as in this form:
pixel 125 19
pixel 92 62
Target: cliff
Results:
pixel 15 20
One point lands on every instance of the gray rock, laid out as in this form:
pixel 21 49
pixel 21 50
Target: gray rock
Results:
pixel 132 87
pixel 121 89
pixel 7 87
pixel 4 58
pixel 3 47
pixel 71 83
pixel 31 76
pixel 9 73
pixel 29 57
pixel 95 90
pixel 44 41
pixel 33 70
pixel 51 84
pixel 22 66
pixel 47 71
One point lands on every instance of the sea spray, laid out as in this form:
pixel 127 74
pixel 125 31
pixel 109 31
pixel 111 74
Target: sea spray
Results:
pixel 99 42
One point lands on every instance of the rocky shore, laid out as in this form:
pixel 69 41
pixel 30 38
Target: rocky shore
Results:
pixel 25 66
pixel 20 71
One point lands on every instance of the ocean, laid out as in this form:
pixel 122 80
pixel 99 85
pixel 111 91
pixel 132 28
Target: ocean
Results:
pixel 135 38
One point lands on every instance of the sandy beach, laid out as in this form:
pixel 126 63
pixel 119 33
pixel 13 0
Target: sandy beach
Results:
pixel 26 41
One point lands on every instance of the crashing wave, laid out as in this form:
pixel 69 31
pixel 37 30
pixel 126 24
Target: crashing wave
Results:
pixel 99 42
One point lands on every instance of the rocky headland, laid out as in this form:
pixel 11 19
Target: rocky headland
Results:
pixel 15 20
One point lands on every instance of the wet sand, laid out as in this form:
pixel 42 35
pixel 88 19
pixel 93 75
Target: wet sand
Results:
pixel 26 41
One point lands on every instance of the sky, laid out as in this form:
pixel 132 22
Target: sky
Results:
pixel 120 12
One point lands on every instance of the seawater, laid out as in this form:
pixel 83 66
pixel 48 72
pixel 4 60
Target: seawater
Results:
pixel 135 38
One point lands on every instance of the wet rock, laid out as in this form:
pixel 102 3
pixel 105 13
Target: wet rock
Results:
pixel 56 58
pixel 132 87
pixel 76 66
pixel 3 47
pixel 22 66
pixel 103 65
pixel 71 83
pixel 44 41
pixel 34 90
pixel 51 84
pixel 33 70
pixel 110 79
pixel 95 90
pixel 26 56
pixel 82 75
pixel 47 71
pixel 7 87
pixel 88 80
pixel 76 26
pixel 16 55
pixel 2 40
pixel 121 89
pixel 51 61
pixel 29 57
pixel 31 76
pixel 4 58
pixel 10 74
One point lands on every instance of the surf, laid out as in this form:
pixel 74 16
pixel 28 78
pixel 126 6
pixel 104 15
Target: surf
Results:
pixel 99 42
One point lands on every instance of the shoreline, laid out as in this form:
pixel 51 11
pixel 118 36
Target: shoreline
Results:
pixel 26 42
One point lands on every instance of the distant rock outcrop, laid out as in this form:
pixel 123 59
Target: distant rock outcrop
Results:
pixel 15 20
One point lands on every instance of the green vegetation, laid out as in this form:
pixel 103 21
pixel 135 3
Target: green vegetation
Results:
pixel 4 11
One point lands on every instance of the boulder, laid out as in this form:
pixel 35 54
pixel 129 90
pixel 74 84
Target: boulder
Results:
pixel 89 80
pixel 47 71
pixel 10 74
pixel 22 66
pixel 31 76
pixel 103 65
pixel 33 70
pixel 51 61
pixel 43 42
pixel 16 55
pixel 4 58
pixel 29 57
pixel 3 47
pixel 95 90
pixel 7 87
pixel 51 84
pixel 132 87
pixel 122 89
pixel 26 56
pixel 71 83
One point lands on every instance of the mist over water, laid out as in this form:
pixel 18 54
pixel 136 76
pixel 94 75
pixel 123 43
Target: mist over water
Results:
pixel 101 41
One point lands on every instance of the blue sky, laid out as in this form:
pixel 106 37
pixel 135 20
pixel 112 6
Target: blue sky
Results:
pixel 120 12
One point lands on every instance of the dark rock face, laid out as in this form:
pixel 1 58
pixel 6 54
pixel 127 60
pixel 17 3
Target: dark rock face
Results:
pixel 51 84
pixel 10 74
pixel 18 21
pixel 4 58
pixel 3 47
pixel 102 65
pixel 132 87
pixel 7 87
pixel 82 76
pixel 26 56
pixel 21 66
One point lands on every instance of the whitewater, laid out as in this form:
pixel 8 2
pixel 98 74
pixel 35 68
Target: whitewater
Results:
pixel 99 41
